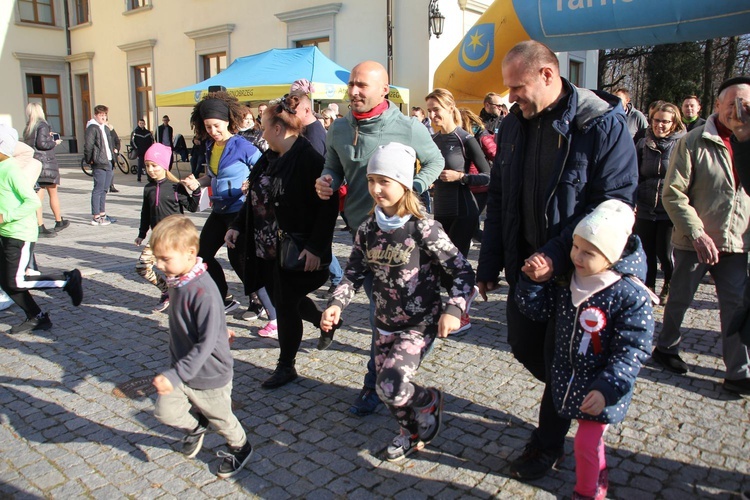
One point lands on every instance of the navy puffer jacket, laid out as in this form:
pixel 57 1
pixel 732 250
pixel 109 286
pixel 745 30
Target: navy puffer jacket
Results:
pixel 597 162
pixel 620 317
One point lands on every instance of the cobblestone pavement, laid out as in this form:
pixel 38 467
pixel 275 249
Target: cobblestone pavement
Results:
pixel 63 433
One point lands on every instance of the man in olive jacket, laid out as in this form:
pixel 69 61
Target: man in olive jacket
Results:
pixel 711 216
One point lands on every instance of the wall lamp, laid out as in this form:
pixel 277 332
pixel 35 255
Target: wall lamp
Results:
pixel 436 20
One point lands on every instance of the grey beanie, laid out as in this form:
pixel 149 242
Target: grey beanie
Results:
pixel 395 161
pixel 608 228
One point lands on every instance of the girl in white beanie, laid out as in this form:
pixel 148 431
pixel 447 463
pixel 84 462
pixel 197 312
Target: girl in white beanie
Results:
pixel 604 325
pixel 406 253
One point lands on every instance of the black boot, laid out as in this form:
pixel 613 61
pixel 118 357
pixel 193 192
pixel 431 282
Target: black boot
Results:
pixel 282 375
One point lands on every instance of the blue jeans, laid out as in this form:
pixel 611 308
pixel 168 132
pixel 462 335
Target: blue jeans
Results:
pixel 102 180
pixel 335 272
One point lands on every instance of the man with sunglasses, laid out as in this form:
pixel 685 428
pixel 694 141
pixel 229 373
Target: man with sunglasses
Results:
pixel 491 114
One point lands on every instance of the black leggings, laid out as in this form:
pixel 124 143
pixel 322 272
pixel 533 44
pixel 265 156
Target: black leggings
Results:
pixel 290 289
pixel 212 238
pixel 656 238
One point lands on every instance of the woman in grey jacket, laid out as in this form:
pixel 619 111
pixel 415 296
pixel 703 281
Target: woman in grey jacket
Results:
pixel 38 135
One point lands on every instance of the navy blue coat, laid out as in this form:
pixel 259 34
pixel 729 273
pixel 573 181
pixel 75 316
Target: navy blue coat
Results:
pixel 621 316
pixel 597 163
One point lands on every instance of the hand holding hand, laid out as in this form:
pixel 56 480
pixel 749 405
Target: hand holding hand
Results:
pixel 163 385
pixel 447 324
pixel 593 403
pixel 538 267
pixel 330 317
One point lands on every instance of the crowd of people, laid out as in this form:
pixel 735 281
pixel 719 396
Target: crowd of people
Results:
pixel 585 198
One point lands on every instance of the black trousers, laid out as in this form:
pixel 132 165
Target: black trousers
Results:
pixel 290 289
pixel 14 258
pixel 211 240
pixel 533 344
pixel 656 238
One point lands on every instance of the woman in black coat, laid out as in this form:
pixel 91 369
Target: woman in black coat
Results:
pixel 38 135
pixel 652 223
pixel 282 199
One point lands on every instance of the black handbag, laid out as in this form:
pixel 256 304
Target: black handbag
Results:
pixel 290 247
pixel 133 154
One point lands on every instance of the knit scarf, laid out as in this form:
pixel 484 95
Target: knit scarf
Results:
pixel 377 110
pixel 178 281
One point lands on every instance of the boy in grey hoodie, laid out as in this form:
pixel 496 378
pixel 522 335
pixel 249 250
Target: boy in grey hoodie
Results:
pixel 196 390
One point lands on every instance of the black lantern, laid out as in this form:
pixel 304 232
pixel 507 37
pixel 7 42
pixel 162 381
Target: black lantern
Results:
pixel 436 20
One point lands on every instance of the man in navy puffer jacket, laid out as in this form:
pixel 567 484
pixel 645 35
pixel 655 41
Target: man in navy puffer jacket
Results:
pixel 560 152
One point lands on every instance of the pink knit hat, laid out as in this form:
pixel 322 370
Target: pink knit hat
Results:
pixel 159 154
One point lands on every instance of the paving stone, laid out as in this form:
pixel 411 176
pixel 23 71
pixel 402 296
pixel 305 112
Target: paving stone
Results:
pixel 684 437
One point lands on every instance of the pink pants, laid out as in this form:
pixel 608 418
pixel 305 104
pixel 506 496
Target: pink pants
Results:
pixel 590 459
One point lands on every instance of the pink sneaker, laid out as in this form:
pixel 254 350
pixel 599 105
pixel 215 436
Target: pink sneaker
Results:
pixel 269 331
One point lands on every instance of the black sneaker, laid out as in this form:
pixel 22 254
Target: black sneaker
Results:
pixel 535 463
pixel 74 286
pixel 282 375
pixel 192 443
pixel 230 305
pixel 366 403
pixel 741 386
pixel 234 461
pixel 402 446
pixel 61 224
pixel 37 323
pixel 254 310
pixel 326 338
pixel 672 362
pixel 113 189
pixel 430 418
pixel 46 233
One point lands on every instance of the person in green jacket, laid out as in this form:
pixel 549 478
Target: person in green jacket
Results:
pixel 18 233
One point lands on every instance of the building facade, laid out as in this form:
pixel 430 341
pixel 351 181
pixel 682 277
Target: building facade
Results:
pixel 70 55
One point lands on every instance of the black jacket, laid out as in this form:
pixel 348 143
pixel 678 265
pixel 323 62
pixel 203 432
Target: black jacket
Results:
pixel 162 199
pixel 43 144
pixel 93 147
pixel 653 161
pixel 596 162
pixel 296 205
pixel 141 139
pixel 160 132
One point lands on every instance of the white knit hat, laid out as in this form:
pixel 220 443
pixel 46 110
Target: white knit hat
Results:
pixel 395 161
pixel 608 228
pixel 8 139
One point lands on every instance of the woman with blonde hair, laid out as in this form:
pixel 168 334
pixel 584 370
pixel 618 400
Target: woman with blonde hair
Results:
pixel 652 223
pixel 38 135
pixel 454 205
pixel 328 117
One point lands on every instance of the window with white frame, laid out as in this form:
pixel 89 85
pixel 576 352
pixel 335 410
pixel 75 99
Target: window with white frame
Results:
pixel 312 26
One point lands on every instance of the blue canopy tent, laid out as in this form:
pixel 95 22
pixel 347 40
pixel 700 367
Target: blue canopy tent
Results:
pixel 268 75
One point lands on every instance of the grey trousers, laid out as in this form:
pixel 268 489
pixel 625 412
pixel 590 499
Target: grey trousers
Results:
pixel 215 404
pixel 730 276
